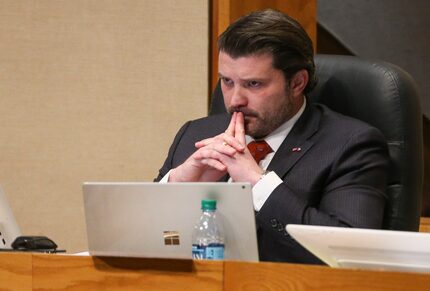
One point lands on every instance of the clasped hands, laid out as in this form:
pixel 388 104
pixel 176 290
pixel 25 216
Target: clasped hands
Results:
pixel 219 155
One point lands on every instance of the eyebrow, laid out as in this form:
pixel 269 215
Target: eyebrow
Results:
pixel 244 80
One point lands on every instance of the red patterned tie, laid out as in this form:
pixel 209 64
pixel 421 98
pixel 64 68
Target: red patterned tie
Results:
pixel 259 150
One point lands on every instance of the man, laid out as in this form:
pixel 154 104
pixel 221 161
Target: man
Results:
pixel 317 166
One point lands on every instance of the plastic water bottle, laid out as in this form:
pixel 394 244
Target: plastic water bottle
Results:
pixel 208 240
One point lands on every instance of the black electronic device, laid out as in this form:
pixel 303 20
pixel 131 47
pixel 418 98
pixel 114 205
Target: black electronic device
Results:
pixel 34 243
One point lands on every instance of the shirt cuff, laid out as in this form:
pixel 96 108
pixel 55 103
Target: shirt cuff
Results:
pixel 263 188
pixel 165 178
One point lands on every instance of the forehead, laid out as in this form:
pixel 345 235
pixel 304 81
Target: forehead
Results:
pixel 251 66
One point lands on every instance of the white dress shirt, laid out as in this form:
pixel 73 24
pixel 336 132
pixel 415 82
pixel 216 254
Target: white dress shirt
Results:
pixel 265 186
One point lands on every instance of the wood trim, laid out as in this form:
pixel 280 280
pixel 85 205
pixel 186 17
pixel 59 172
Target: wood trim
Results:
pixel 107 273
pixel 27 271
pixel 16 271
pixel 275 276
pixel 220 20
pixel 425 224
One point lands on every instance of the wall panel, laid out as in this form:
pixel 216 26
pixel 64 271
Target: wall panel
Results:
pixel 92 90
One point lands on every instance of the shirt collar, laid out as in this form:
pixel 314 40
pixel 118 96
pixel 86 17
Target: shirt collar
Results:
pixel 276 138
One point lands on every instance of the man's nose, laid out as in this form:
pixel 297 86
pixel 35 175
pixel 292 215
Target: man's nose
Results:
pixel 238 98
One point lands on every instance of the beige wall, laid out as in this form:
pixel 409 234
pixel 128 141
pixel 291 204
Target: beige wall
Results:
pixel 92 90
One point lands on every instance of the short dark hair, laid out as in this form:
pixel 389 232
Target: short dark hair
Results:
pixel 271 31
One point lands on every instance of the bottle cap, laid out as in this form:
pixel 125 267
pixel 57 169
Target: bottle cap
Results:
pixel 208 204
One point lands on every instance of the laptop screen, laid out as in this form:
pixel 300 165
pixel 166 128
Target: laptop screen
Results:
pixel 9 229
pixel 133 219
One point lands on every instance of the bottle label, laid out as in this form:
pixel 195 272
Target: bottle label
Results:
pixel 214 251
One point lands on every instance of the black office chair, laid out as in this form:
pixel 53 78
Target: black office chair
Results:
pixel 386 97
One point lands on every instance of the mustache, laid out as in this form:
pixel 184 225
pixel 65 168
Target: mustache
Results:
pixel 245 111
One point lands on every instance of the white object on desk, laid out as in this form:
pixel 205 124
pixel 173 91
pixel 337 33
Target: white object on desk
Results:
pixel 365 248
pixel 9 229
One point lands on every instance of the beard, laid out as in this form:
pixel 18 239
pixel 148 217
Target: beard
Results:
pixel 260 124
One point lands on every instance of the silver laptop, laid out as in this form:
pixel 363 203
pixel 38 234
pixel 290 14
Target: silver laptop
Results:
pixel 9 229
pixel 139 219
pixel 365 248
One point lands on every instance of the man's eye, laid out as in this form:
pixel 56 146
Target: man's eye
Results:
pixel 227 81
pixel 254 84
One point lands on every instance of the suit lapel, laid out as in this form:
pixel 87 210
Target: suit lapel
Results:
pixel 297 143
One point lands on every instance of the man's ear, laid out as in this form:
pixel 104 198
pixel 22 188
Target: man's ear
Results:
pixel 298 82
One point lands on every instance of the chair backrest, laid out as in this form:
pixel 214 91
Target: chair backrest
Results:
pixel 386 97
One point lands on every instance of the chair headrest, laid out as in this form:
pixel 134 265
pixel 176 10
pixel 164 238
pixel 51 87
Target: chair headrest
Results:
pixel 367 90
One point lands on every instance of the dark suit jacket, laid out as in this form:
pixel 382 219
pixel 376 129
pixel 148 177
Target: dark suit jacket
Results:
pixel 338 178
